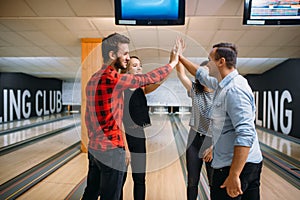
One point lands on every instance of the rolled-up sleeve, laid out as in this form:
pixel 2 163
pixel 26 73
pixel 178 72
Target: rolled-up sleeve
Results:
pixel 240 111
pixel 203 77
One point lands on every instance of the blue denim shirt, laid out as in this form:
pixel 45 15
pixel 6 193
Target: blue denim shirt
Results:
pixel 232 118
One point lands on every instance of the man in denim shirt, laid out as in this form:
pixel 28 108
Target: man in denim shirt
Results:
pixel 237 158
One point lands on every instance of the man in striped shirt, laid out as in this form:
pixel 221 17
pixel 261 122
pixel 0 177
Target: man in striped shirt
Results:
pixel 104 112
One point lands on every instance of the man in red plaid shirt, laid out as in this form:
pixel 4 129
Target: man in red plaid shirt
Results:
pixel 104 112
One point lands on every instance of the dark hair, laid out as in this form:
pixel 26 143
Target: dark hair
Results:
pixel 198 86
pixel 111 42
pixel 205 62
pixel 227 51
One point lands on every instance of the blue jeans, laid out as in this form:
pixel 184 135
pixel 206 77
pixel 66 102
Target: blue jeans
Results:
pixel 105 175
pixel 250 183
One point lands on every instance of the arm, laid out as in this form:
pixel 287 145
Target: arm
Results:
pixel 190 66
pixel 240 110
pixel 134 81
pixel 233 182
pixel 187 83
pixel 150 88
pixel 207 154
pixel 127 152
pixel 202 75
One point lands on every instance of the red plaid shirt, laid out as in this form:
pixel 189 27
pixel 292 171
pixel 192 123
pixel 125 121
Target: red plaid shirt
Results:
pixel 104 103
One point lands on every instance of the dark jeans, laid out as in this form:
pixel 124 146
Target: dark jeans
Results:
pixel 250 183
pixel 195 147
pixel 137 147
pixel 105 175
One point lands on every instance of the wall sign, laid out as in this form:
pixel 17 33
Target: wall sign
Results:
pixel 277 98
pixel 24 96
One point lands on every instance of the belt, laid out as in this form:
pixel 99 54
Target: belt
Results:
pixel 222 169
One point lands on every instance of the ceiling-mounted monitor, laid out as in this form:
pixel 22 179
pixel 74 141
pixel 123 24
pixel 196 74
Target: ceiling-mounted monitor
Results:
pixel 271 12
pixel 149 12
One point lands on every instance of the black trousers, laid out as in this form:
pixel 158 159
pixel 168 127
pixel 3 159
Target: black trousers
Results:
pixel 105 175
pixel 137 146
pixel 196 145
pixel 250 183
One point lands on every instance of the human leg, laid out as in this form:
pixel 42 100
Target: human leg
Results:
pixel 137 147
pixel 112 167
pixel 218 178
pixel 124 180
pixel 194 164
pixel 93 180
pixel 250 181
pixel 209 172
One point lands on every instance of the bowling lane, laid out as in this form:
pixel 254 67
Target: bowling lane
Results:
pixel 17 162
pixel 164 179
pixel 273 186
pixel 28 133
pixel 7 126
pixel 288 147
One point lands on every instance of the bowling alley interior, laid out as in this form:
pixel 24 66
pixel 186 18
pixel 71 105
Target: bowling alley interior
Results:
pixel 51 49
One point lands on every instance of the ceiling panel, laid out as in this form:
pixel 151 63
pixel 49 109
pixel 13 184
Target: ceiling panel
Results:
pixel 15 39
pixel 204 23
pixel 232 36
pixel 144 38
pixel 233 23
pixel 107 24
pixel 57 51
pixel 51 8
pixel 92 8
pixel 38 38
pixel 262 51
pixel 12 8
pixel 48 34
pixel 202 37
pixel 218 7
pixel 287 52
pixel 64 38
pixel 254 37
pixel 191 7
pixel 280 37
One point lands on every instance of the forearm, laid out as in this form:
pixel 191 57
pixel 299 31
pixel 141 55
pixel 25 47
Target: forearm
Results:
pixel 124 138
pixel 150 88
pixel 239 159
pixel 202 75
pixel 190 66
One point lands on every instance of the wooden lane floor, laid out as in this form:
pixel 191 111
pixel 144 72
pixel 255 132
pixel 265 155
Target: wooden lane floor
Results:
pixel 290 148
pixel 28 133
pixel 164 178
pixel 6 126
pixel 17 162
pixel 58 185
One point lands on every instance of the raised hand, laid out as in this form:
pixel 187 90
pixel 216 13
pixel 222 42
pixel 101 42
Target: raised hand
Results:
pixel 174 55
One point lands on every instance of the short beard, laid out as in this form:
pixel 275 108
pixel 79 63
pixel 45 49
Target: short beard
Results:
pixel 118 64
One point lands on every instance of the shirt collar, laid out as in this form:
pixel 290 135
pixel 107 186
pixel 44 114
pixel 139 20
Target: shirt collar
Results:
pixel 228 78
